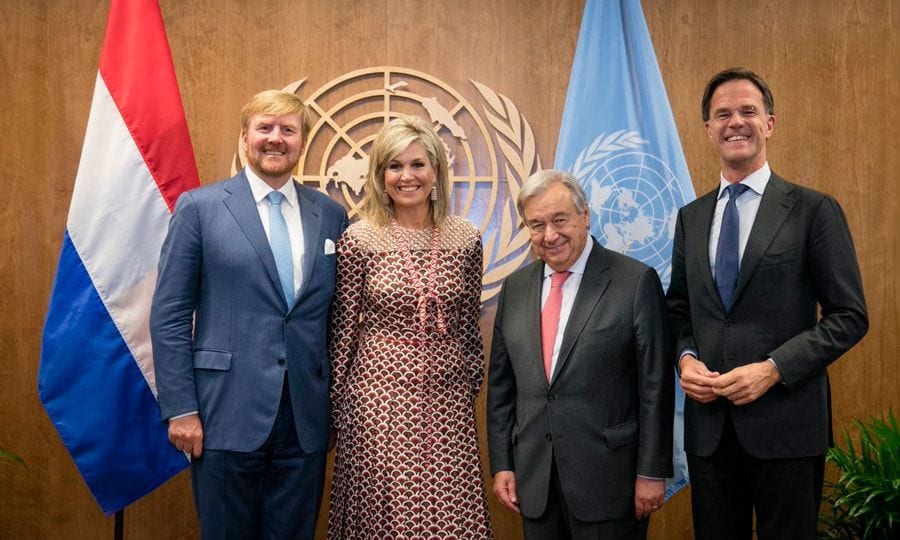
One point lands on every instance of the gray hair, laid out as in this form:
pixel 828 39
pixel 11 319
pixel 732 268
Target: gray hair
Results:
pixel 540 181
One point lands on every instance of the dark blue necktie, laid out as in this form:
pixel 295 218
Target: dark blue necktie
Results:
pixel 727 259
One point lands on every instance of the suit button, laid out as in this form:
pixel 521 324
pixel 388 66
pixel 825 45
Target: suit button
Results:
pixel 281 361
pixel 729 323
pixel 549 437
pixel 551 398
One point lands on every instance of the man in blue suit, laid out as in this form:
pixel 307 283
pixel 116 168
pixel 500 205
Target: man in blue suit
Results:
pixel 239 325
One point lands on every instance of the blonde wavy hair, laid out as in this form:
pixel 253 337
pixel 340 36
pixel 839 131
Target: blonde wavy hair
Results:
pixel 393 139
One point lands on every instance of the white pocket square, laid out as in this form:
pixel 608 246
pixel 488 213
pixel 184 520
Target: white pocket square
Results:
pixel 329 247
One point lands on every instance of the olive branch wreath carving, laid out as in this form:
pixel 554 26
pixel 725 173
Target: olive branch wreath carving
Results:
pixel 516 142
pixel 602 146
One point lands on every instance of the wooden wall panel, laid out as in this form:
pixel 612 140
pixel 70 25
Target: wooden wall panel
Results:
pixel 832 65
pixel 832 68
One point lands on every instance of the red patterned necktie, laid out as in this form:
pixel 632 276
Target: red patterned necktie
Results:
pixel 550 318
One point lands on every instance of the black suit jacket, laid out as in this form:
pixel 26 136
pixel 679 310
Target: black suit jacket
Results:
pixel 607 413
pixel 799 258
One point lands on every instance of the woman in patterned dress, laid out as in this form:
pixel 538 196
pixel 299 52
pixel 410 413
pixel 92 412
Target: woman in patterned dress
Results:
pixel 406 352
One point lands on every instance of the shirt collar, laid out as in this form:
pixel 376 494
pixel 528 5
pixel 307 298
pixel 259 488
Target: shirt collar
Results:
pixel 580 262
pixel 260 189
pixel 756 181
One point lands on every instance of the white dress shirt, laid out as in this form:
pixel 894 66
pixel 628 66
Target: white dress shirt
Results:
pixel 291 213
pixel 747 207
pixel 569 290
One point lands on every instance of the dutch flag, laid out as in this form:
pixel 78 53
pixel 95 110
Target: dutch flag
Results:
pixel 96 374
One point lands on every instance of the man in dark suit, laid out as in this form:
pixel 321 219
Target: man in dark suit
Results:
pixel 580 400
pixel 754 260
pixel 239 324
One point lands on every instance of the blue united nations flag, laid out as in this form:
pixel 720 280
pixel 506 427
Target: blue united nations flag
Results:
pixel 618 138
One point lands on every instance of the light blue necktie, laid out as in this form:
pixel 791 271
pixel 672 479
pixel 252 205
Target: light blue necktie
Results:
pixel 280 241
pixel 727 256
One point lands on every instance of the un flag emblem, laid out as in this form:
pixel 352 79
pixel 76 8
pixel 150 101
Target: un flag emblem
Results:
pixel 634 198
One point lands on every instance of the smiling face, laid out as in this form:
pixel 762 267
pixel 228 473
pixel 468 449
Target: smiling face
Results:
pixel 273 145
pixel 408 178
pixel 558 230
pixel 738 127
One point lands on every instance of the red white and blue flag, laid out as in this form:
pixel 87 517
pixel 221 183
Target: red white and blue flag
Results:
pixel 96 375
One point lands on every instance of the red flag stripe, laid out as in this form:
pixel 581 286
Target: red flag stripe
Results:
pixel 138 71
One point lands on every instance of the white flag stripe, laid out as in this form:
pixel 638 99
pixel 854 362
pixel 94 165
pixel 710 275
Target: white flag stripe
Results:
pixel 119 246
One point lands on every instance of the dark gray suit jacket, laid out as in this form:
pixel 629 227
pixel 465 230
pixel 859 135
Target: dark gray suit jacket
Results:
pixel 222 334
pixel 799 256
pixel 606 416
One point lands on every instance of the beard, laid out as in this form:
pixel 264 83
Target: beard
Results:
pixel 268 166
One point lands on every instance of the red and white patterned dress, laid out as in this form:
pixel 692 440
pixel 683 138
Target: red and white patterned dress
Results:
pixel 403 391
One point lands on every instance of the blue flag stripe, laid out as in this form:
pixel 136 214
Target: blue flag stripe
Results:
pixel 97 397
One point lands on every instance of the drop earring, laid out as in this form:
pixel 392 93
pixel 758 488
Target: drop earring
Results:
pixel 434 192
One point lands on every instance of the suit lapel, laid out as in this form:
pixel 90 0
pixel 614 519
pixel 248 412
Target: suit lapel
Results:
pixel 774 208
pixel 701 227
pixel 312 224
pixel 239 201
pixel 532 304
pixel 593 286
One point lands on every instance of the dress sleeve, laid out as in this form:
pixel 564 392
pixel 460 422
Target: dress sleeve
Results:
pixel 473 347
pixel 346 309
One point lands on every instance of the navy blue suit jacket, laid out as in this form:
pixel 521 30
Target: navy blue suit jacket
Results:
pixel 221 332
